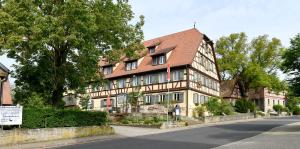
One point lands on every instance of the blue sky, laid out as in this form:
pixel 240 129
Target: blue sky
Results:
pixel 216 18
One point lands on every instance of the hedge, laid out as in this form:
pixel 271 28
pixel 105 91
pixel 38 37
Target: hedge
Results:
pixel 51 118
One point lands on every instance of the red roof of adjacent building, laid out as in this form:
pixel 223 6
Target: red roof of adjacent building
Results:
pixel 183 45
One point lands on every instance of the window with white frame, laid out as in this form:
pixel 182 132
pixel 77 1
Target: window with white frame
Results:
pixel 177 75
pixel 151 49
pixel 121 98
pixel 108 85
pixel 131 65
pixel 162 77
pixel 154 78
pixel 202 99
pixel 147 99
pixel 195 98
pixel 162 59
pixel 136 81
pixel 107 70
pixel 162 98
pixel 159 59
pixel 121 83
pixel 147 79
pixel 178 97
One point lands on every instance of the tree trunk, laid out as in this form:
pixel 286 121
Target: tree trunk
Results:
pixel 57 96
pixel 59 77
pixel 242 89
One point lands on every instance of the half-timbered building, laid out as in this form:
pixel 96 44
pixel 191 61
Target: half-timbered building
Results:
pixel 193 75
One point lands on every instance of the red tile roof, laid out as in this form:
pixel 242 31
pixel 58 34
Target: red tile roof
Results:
pixel 185 45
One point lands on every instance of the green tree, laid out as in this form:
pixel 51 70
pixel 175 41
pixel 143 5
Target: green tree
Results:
pixel 293 104
pixel 32 101
pixel 84 102
pixel 134 99
pixel 57 44
pixel 291 64
pixel 253 64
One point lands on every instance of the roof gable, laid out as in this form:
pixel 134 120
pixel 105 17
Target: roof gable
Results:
pixel 5 69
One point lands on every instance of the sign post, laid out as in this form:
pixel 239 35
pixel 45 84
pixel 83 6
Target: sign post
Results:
pixel 11 115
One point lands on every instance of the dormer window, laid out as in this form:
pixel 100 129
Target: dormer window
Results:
pixel 159 59
pixel 151 49
pixel 107 70
pixel 131 65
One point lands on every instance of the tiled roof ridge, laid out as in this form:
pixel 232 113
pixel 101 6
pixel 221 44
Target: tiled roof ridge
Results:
pixel 172 34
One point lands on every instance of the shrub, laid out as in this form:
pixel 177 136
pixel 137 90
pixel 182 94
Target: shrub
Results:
pixel 218 106
pixel 286 109
pixel 148 121
pixel 226 108
pixel 156 119
pixel 199 111
pixel 243 105
pixel 213 106
pixel 260 113
pixel 50 118
pixel 125 121
pixel 278 108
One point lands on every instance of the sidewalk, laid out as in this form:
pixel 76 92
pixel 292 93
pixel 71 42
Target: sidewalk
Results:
pixel 286 137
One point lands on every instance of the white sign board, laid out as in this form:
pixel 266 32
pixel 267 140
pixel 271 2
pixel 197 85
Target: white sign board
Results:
pixel 11 115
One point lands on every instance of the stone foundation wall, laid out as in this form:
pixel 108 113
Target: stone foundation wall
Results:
pixel 47 134
pixel 215 119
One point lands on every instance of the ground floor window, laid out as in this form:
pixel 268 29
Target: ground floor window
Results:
pixel 147 100
pixel 122 98
pixel 162 98
pixel 195 98
pixel 178 97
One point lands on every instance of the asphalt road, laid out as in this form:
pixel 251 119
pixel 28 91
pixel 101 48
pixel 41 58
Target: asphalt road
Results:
pixel 196 138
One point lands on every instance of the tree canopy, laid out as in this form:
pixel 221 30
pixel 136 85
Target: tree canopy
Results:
pixel 253 64
pixel 57 44
pixel 291 64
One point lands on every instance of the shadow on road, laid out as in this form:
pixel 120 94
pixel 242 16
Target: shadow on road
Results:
pixel 198 138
